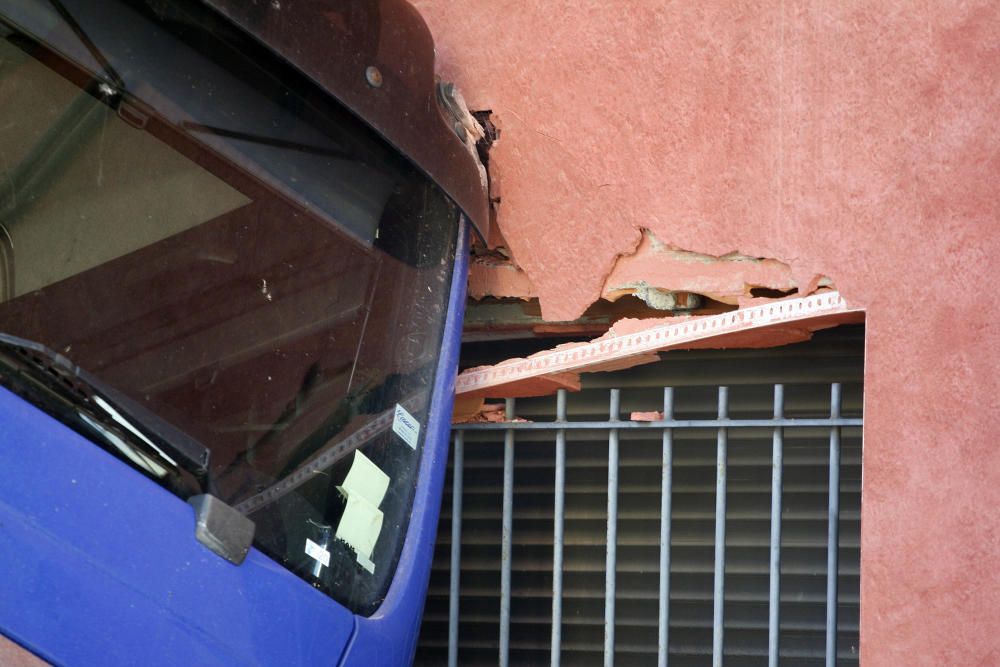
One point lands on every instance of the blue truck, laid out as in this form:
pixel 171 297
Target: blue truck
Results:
pixel 233 245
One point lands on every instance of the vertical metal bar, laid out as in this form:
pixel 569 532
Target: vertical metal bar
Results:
pixel 774 595
pixel 505 538
pixel 456 547
pixel 718 598
pixel 611 561
pixel 557 537
pixel 666 491
pixel 833 531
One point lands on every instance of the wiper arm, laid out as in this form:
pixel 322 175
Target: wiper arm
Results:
pixel 265 140
pixel 62 139
pixel 168 442
pixel 116 80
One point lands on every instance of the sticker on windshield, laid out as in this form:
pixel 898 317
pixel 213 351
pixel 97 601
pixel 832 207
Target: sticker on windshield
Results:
pixel 316 552
pixel 406 426
pixel 363 489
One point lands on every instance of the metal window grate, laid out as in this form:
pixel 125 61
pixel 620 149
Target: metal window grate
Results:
pixel 703 585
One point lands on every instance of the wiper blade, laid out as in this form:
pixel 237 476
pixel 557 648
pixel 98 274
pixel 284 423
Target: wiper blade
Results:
pixel 166 440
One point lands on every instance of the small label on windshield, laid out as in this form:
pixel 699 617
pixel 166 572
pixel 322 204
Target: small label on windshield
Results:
pixel 406 426
pixel 317 552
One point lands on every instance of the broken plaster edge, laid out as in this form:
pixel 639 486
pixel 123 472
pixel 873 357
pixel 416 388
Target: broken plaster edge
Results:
pixel 772 273
pixel 491 277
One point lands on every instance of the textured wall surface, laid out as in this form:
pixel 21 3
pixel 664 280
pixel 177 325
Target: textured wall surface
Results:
pixel 856 140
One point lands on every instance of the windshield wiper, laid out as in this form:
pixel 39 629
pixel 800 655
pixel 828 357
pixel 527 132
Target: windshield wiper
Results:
pixel 154 441
pixel 264 140
pixel 63 138
pixel 115 79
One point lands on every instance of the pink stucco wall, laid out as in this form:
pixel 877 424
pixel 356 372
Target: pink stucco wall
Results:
pixel 857 140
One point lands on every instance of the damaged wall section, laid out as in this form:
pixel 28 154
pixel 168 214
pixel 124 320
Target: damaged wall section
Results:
pixel 658 274
pixel 654 281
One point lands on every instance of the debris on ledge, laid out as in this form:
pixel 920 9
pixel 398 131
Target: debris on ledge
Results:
pixel 481 413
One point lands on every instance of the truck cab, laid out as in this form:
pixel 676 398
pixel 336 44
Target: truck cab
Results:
pixel 232 270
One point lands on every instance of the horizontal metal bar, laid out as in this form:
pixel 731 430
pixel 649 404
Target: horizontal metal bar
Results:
pixel 666 423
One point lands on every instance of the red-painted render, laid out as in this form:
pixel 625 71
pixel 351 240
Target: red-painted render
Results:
pixel 856 140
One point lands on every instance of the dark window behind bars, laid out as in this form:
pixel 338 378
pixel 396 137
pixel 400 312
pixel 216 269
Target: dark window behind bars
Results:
pixel 489 609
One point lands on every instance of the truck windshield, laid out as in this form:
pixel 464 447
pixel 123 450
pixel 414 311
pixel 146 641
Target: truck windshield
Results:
pixel 201 228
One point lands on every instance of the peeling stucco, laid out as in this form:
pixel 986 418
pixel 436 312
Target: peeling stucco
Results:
pixel 656 273
pixel 727 278
pixel 493 274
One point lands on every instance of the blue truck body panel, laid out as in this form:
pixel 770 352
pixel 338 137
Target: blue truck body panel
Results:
pixel 100 566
